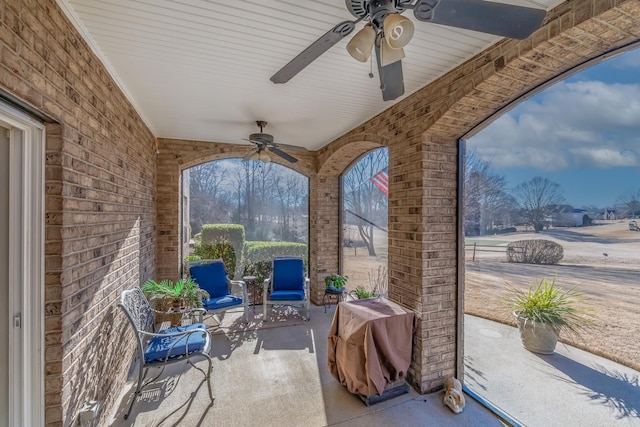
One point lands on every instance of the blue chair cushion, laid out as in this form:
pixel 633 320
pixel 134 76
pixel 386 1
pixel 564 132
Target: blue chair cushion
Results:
pixel 222 302
pixel 159 346
pixel 287 296
pixel 212 278
pixel 288 274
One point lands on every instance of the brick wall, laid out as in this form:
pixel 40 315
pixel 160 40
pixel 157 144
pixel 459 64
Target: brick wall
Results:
pixel 102 188
pixel 99 202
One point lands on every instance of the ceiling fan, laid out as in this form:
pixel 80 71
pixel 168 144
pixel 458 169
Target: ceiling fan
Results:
pixel 386 32
pixel 265 145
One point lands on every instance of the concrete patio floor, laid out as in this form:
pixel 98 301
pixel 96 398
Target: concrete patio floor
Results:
pixel 275 374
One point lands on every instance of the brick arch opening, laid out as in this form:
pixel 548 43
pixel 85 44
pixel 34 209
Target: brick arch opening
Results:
pixel 341 155
pixel 422 132
pixel 324 201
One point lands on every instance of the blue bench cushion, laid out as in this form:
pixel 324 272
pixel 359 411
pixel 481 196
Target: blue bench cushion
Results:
pixel 222 302
pixel 287 296
pixel 159 346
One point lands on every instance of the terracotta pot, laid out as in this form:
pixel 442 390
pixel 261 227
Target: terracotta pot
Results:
pixel 537 337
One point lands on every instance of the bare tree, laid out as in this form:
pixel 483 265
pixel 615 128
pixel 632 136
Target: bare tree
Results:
pixel 208 197
pixel 291 195
pixel 631 203
pixel 539 198
pixel 486 201
pixel 365 204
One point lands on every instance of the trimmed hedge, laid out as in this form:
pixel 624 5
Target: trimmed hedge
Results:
pixel 222 250
pixel 216 233
pixel 535 251
pixel 257 256
pixel 224 241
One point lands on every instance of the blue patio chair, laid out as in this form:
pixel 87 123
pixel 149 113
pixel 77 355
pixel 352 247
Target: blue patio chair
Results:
pixel 287 285
pixel 160 348
pixel 211 276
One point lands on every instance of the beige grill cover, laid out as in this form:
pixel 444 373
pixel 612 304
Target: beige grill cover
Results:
pixel 370 344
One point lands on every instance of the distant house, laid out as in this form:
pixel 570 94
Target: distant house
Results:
pixel 569 217
pixel 609 214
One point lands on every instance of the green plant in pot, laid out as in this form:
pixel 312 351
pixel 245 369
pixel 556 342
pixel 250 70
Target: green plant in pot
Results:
pixel 361 293
pixel 544 311
pixel 185 293
pixel 335 281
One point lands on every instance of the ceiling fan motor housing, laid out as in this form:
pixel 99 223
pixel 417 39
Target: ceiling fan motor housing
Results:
pixel 376 10
pixel 262 138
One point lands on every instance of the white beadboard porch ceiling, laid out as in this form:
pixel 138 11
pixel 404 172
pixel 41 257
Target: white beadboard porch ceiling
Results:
pixel 200 69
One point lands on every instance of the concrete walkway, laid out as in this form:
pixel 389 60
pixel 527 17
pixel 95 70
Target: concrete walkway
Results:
pixel 275 374
pixel 568 388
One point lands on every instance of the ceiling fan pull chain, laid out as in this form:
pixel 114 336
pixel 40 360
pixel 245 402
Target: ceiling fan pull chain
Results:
pixel 371 66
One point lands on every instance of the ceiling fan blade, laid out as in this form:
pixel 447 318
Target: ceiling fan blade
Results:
pixel 290 147
pixel 391 78
pixel 282 154
pixel 311 53
pixel 516 22
pixel 247 157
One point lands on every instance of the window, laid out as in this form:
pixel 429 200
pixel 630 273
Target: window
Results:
pixel 365 222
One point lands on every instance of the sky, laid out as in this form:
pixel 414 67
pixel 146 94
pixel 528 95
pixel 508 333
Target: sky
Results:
pixel 582 133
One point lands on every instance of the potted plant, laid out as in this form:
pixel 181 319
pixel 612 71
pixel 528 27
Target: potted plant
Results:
pixel 335 282
pixel 544 311
pixel 361 293
pixel 172 299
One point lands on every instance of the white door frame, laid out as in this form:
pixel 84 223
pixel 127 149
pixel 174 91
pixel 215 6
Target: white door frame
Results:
pixel 26 267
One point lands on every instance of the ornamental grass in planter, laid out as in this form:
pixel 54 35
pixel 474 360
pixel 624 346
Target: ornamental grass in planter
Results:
pixel 170 299
pixel 544 311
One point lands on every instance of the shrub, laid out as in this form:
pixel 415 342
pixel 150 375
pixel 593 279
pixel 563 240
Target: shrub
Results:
pixel 534 251
pixel 502 230
pixel 222 250
pixel 222 241
pixel 257 256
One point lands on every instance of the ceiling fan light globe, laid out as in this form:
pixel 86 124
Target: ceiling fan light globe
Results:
pixel 360 45
pixel 398 30
pixel 389 56
pixel 264 157
pixel 255 156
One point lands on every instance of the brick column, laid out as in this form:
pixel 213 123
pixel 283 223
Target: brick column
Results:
pixel 422 251
pixel 168 217
pixel 324 231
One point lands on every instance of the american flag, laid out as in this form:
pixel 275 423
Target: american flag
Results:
pixel 381 180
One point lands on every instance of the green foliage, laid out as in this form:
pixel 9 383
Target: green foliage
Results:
pixel 222 241
pixel 217 233
pixel 501 230
pixel 336 281
pixel 258 256
pixel 362 293
pixel 260 269
pixel 546 303
pixel 221 250
pixel 185 292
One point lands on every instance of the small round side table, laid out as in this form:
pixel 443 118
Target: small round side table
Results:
pixel 332 293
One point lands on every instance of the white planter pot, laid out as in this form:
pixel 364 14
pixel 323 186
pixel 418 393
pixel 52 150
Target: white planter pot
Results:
pixel 537 337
